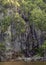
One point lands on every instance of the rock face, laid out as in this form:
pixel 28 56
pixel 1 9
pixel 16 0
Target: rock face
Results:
pixel 25 42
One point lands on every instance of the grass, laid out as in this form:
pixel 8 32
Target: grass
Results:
pixel 22 63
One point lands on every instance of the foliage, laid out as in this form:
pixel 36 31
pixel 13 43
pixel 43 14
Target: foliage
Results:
pixel 19 24
pixel 39 18
pixel 24 12
pixel 5 23
pixel 2 46
pixel 44 45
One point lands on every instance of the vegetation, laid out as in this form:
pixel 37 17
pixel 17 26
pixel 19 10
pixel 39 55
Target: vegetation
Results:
pixel 27 19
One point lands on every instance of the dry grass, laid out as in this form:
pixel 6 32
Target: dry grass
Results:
pixel 22 63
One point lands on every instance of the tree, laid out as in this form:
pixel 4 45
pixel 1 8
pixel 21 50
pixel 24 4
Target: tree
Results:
pixel 38 17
